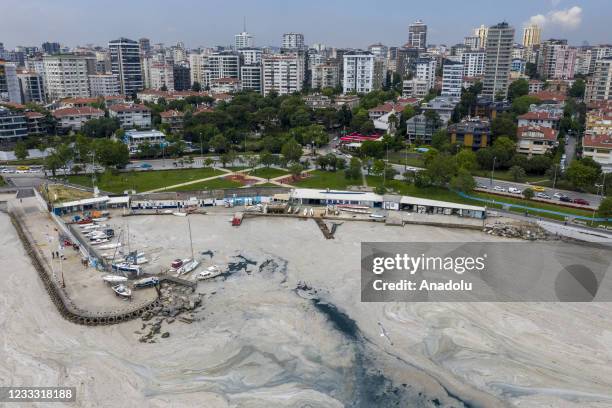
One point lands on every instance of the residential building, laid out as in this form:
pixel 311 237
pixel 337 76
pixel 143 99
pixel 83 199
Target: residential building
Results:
pixel 452 78
pixel 585 61
pixel 66 76
pixel 417 35
pixel 535 85
pixel 601 82
pixel 473 133
pixel 317 101
pixel 536 140
pixel 350 101
pixel 541 118
pixel 359 72
pixel 379 50
pixel 282 73
pixel 518 66
pixel 487 107
pixel 472 42
pixel 131 115
pixel 482 33
pixel 426 71
pixel 293 41
pixel 36 122
pixel 225 85
pixel 145 45
pixel 250 77
pixel 532 35
pixel 596 147
pixel 250 56
pixel 32 87
pixel 473 63
pixel 197 65
pixel 73 118
pixel 9 83
pixel 51 48
pixel 243 40
pixel 419 130
pixel 414 88
pixel 134 138
pixel 224 64
pixel 104 85
pixel 498 60
pixel 161 76
pixel 556 60
pixel 13 126
pixel 182 77
pixel 126 64
pixel 325 76
pixel 174 119
pixel 443 106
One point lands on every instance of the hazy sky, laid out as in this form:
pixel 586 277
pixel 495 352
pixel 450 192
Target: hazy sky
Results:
pixel 340 23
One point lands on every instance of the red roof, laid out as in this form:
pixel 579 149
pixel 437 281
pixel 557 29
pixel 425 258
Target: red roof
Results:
pixel 85 110
pixel 600 141
pixel 171 114
pixel 386 107
pixel 129 108
pixel 13 105
pixel 34 115
pixel 202 109
pixel 550 96
pixel 547 133
pixel 539 116
pixel 79 101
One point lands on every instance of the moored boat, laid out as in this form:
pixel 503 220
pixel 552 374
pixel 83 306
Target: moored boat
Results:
pixel 122 291
pixel 146 282
pixel 114 279
pixel 209 273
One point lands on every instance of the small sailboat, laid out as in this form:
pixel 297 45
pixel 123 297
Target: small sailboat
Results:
pixel 289 210
pixel 305 212
pixel 146 282
pixel 189 265
pixel 126 267
pixel 114 279
pixel 110 246
pixel 122 291
pixel 101 219
pixel 297 210
pixel 179 214
pixel 99 241
pixel 312 212
pixel 210 272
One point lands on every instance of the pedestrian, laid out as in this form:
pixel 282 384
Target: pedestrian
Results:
pixel 52 254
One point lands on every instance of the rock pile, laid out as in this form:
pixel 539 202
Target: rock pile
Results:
pixel 526 231
pixel 177 302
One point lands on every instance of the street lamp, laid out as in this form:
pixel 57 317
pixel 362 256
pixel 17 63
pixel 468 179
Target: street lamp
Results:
pixel 493 169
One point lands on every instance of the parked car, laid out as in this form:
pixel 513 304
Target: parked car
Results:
pixel 538 188
pixel 581 201
pixel 483 186
pixel 498 188
pixel 565 199
pixel 558 195
pixel 543 195
pixel 514 190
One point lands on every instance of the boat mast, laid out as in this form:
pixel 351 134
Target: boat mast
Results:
pixel 190 240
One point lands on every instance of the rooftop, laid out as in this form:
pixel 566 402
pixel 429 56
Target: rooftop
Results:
pixel 129 108
pixel 524 132
pixel 85 110
pixel 600 141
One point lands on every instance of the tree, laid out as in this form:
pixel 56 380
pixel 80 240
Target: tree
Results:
pixel 463 181
pixel 76 169
pixel 441 169
pixel 503 125
pixel 227 157
pixel 208 162
pixel 581 174
pixel 111 153
pixel 322 162
pixel 577 89
pixel 504 149
pixel 292 151
pixel 21 150
pixel 196 87
pixel 605 208
pixel 440 140
pixel 517 173
pixel 466 159
pixel 371 148
pixel 296 170
pixel 353 172
pixel 521 104
pixel 517 88
pixel 267 159
pixel 378 168
pixel 101 127
pixel 528 193
pixel 219 143
pixel 531 70
pixel 53 163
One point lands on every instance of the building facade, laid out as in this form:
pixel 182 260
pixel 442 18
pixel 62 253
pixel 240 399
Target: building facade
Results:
pixel 452 78
pixel 13 127
pixel 556 60
pixel 66 76
pixel 283 74
pixel 426 71
pixel 293 41
pixel 126 63
pixel 532 35
pixel 9 83
pixel 498 60
pixel 473 63
pixel 325 75
pixel 131 116
pixel 243 40
pixel 251 78
pixel 32 87
pixel 359 72
pixel 417 35
pixel 104 85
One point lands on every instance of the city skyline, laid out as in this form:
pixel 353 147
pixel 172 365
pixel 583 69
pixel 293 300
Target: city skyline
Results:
pixel 356 27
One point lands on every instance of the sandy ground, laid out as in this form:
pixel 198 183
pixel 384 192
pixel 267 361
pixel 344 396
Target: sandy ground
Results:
pixel 256 343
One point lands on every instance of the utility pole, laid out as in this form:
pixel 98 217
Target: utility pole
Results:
pixel 493 169
pixel 555 178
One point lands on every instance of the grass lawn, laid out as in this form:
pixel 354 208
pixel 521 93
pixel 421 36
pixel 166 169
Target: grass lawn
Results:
pixel 236 168
pixel 214 184
pixel 268 173
pixel 144 180
pixel 505 175
pixel 326 179
pixel 2 182
pixel 399 157
pixel 59 193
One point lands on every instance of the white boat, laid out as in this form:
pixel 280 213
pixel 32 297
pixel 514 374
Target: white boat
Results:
pixel 210 272
pixel 114 279
pixel 110 246
pixel 179 214
pixel 88 227
pixel 146 282
pixel 189 265
pixel 126 267
pixel 101 219
pixel 289 210
pixel 99 241
pixel 377 216
pixel 355 210
pixel 305 212
pixel 297 210
pixel 312 212
pixel 122 291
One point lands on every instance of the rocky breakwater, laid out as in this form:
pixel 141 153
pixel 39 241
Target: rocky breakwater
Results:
pixel 527 231
pixel 175 303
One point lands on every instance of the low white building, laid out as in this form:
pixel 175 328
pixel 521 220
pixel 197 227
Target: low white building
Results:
pixel 131 115
pixel 225 85
pixel 134 138
pixel 598 148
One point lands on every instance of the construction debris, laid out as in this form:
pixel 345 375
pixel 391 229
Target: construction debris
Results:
pixel 526 231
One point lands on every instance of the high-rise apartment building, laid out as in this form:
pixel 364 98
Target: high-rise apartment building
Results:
pixel 532 35
pixel 31 86
pixel 481 32
pixel 197 65
pixel 293 41
pixel 426 71
pixel 473 63
pixel 379 50
pixel 51 48
pixel 104 85
pixel 600 85
pixel 145 45
pixel 182 77
pixel 417 35
pixel 162 76
pixel 452 78
pixel 9 83
pixel 556 60
pixel 498 60
pixel 67 76
pixel 243 40
pixel 326 75
pixel 221 65
pixel 250 78
pixel 472 42
pixel 360 72
pixel 126 63
pixel 283 73
pixel 250 56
